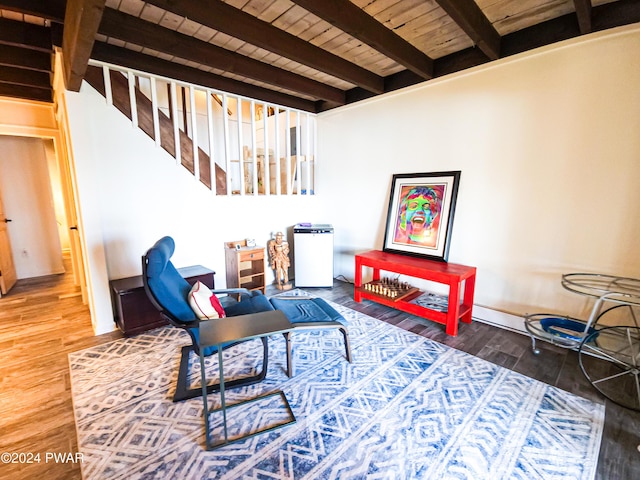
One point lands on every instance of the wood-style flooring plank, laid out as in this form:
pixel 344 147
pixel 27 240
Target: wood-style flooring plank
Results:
pixel 42 320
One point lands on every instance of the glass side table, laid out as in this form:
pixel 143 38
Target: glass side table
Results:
pixel 617 302
pixel 608 342
pixel 235 329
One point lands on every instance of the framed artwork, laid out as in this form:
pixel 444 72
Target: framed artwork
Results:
pixel 420 216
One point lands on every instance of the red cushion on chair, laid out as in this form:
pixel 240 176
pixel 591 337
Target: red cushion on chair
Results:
pixel 204 303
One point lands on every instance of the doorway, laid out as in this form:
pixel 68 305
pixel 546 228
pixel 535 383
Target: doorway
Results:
pixel 30 189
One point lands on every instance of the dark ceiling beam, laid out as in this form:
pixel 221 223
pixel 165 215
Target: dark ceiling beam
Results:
pixel 156 66
pixel 81 21
pixel 404 78
pixel 475 24
pixel 610 15
pixel 545 33
pixel 458 61
pixel 455 62
pixel 356 22
pixel 236 23
pixel 583 12
pixel 25 35
pixel 616 14
pixel 131 29
pixel 20 76
pixel 50 9
pixel 26 93
pixel 25 58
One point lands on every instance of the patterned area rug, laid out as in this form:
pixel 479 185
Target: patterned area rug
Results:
pixel 406 408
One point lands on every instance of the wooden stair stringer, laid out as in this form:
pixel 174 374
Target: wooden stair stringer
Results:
pixel 144 106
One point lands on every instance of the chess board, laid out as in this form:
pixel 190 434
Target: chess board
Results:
pixel 390 289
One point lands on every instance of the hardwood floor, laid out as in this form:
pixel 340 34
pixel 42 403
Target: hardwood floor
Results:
pixel 42 320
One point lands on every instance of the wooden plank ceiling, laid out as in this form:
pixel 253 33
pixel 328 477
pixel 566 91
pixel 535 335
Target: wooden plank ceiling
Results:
pixel 307 54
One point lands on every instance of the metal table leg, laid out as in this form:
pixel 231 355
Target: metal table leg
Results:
pixel 240 328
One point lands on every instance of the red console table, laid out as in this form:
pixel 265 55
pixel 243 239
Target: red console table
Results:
pixel 441 272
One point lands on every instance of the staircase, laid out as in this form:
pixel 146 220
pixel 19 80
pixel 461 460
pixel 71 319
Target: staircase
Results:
pixel 145 119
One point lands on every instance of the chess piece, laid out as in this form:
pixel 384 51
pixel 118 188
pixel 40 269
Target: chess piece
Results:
pixel 279 258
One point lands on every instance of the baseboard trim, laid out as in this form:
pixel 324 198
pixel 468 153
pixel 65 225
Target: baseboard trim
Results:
pixel 495 318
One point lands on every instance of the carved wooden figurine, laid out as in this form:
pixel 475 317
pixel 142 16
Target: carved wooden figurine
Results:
pixel 279 258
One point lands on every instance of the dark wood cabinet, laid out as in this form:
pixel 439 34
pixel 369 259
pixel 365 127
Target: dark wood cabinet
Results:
pixel 132 310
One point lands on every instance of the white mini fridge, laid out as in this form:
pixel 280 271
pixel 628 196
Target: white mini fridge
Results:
pixel 313 255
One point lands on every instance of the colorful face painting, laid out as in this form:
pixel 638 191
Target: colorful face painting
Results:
pixel 419 215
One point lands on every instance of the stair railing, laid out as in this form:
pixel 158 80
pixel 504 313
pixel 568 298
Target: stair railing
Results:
pixel 248 146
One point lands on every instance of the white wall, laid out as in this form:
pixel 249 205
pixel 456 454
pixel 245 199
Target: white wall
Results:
pixel 26 190
pixel 131 193
pixel 548 144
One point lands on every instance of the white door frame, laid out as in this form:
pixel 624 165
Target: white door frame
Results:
pixel 21 118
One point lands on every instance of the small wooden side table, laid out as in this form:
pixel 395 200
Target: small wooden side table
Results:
pixel 245 266
pixel 450 274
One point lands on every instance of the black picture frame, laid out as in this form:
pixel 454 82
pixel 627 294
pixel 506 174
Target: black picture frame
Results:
pixel 422 227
